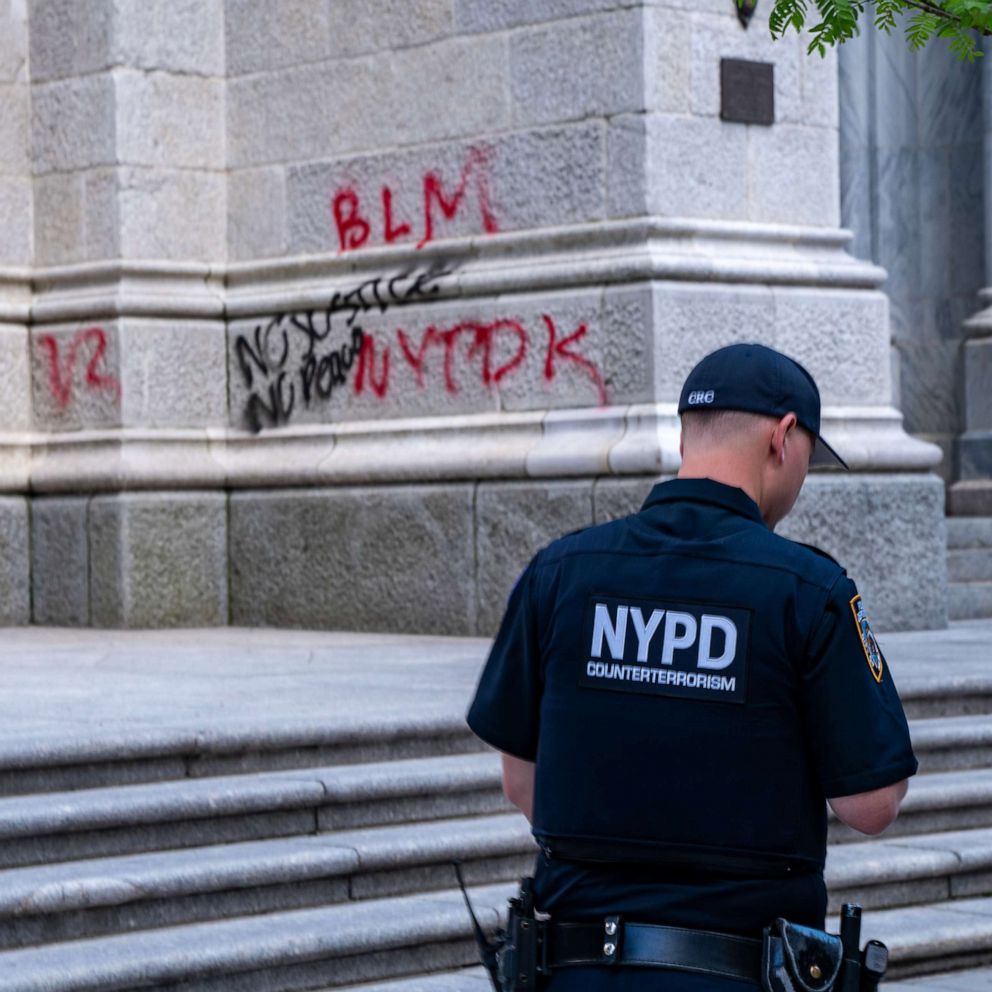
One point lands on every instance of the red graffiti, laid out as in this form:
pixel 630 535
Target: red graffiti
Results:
pixel 559 349
pixel 390 232
pixel 61 374
pixel 476 167
pixel 483 338
pixel 366 366
pixel 482 341
pixel 354 229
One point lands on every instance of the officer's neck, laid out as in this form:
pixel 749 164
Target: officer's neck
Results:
pixel 730 469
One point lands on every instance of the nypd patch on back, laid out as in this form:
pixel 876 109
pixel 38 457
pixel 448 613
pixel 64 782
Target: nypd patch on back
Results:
pixel 683 650
pixel 872 651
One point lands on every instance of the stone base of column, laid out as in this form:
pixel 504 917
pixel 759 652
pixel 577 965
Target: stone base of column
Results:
pixel 972 498
pixel 150 559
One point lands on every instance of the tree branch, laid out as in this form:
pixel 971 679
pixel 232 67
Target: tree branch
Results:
pixel 936 10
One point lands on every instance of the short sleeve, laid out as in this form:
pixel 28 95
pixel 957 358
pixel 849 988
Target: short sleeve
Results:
pixel 856 727
pixel 507 701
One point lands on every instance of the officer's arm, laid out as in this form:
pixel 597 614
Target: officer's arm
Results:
pixel 518 783
pixel 870 812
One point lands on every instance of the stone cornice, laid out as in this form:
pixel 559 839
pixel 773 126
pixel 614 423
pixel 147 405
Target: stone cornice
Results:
pixel 635 440
pixel 606 253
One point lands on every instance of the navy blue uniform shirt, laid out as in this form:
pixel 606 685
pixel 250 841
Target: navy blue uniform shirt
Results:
pixel 691 687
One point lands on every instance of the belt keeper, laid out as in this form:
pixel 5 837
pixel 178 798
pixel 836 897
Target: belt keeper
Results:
pixel 612 937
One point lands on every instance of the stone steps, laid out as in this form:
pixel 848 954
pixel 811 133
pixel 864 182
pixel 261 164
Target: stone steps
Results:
pixel 969 567
pixel 969 600
pixel 324 947
pixel 81 764
pixel 99 896
pixel 87 898
pixel 969 532
pixel 88 823
pixel 298 859
pixel 132 757
pixel 339 945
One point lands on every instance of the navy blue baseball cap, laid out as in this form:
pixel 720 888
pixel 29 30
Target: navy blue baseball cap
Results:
pixel 756 379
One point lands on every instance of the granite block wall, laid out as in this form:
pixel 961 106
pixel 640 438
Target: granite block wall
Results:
pixel 300 297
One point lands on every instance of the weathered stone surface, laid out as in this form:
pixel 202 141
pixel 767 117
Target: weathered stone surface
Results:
pixel 356 26
pixel 970 565
pixel 15 595
pixel 695 320
pixel 74 123
pixel 76 216
pixel 256 213
pixel 522 180
pixel 60 561
pixel 970 600
pixel 977 376
pixel 15 220
pixel 626 172
pixel 667 48
pixel 717 37
pixel 582 67
pixel 451 89
pixel 181 36
pixel 499 15
pixel 75 375
pixel 697 167
pixel 15 387
pixel 822 329
pixel 171 373
pixel 172 214
pixel 513 522
pixel 262 36
pixel 969 532
pixel 888 532
pixel 615 498
pixel 53 23
pixel 170 121
pixel 158 559
pixel 790 179
pixel 15 107
pixel 827 331
pixel 974 462
pixel 354 559
pixel 307 111
pixel 14 47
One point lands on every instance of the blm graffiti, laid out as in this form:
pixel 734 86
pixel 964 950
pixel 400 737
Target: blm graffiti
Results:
pixel 280 381
pixel 294 362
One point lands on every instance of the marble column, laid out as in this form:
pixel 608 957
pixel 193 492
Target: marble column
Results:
pixel 971 495
pixel 912 185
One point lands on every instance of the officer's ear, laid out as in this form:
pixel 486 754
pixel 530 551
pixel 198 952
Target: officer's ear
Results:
pixel 781 436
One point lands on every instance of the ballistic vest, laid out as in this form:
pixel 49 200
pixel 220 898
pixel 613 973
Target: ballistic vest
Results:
pixel 672 714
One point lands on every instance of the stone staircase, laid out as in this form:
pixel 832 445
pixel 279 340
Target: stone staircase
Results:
pixel 969 567
pixel 309 864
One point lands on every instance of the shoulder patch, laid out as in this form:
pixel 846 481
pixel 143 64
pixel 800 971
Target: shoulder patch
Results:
pixel 870 646
pixel 820 552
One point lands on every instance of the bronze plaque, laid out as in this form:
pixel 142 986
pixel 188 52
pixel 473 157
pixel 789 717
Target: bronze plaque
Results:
pixel 747 91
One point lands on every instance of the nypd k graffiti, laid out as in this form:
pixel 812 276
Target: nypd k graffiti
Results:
pixel 686 650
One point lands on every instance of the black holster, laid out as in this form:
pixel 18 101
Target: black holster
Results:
pixel 801 959
pixel 523 955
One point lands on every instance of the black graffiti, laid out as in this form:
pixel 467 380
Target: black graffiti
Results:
pixel 277 383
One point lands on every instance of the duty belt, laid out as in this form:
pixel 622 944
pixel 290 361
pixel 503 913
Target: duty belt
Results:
pixel 615 942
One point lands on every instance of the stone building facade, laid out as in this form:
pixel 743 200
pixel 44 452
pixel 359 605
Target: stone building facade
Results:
pixel 329 312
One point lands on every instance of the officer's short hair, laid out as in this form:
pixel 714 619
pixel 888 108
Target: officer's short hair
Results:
pixel 719 426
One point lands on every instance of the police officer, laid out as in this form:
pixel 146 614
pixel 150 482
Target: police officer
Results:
pixel 675 695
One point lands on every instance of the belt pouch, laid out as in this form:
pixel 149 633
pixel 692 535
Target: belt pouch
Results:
pixel 799 959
